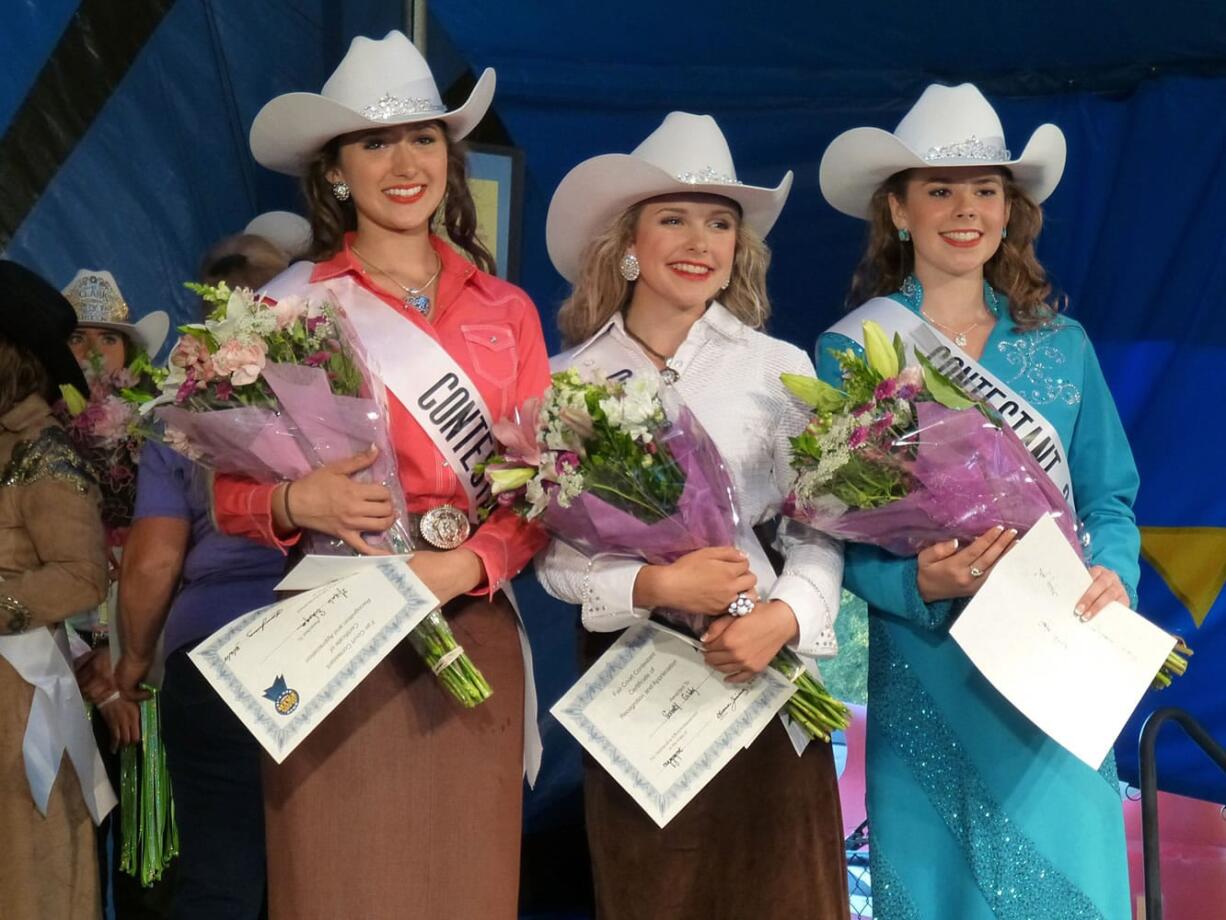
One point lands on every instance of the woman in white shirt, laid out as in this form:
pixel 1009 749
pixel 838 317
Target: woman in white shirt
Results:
pixel 664 249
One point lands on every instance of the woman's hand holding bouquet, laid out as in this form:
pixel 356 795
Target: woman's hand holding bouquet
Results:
pixel 607 469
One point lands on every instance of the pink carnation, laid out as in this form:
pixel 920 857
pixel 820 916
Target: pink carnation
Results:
pixel 192 354
pixel 113 419
pixel 858 438
pixel 886 388
pixel 241 361
pixel 288 310
pixel 178 441
pixel 911 376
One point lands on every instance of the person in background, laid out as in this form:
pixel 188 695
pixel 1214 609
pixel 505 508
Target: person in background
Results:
pixel 105 343
pixel 183 580
pixel 52 565
pixel 243 260
pixel 289 232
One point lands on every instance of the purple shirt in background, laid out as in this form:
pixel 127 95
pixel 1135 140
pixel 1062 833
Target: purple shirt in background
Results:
pixel 223 576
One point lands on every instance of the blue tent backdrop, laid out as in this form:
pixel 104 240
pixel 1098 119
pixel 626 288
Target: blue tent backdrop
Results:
pixel 1133 234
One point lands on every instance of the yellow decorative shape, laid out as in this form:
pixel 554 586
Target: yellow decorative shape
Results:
pixel 1192 562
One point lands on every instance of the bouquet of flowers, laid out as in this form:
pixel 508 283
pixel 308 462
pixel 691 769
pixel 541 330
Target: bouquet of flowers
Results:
pixel 902 458
pixel 104 428
pixel 606 468
pixel 271 390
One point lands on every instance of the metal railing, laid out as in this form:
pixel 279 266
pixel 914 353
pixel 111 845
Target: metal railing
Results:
pixel 1149 792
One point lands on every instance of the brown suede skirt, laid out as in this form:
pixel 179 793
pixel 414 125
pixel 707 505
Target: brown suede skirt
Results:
pixel 402 803
pixel 764 839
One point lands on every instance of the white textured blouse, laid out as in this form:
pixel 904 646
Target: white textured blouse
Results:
pixel 729 379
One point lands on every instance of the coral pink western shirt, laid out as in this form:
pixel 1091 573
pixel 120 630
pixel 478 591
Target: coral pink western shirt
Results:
pixel 492 330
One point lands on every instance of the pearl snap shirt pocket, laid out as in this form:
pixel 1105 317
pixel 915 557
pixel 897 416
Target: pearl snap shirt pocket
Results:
pixel 492 351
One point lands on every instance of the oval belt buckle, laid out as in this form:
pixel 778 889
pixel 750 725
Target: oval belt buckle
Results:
pixel 444 527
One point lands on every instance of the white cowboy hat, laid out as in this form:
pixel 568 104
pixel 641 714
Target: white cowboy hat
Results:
pixel 687 153
pixel 95 297
pixel 377 83
pixel 947 126
pixel 289 232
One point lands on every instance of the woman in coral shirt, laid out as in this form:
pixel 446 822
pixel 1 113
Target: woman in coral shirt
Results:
pixel 390 805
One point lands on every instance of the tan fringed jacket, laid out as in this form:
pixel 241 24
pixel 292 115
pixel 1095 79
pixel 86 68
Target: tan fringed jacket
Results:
pixel 53 565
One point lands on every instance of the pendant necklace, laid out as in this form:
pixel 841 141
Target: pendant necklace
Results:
pixel 959 337
pixel 414 297
pixel 668 373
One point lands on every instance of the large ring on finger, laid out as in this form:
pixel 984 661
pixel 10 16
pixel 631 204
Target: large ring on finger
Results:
pixel 976 572
pixel 741 606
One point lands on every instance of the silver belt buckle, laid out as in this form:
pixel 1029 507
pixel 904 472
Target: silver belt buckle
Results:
pixel 444 527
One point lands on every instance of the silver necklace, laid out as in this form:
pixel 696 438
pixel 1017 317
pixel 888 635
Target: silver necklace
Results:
pixel 959 337
pixel 668 373
pixel 414 297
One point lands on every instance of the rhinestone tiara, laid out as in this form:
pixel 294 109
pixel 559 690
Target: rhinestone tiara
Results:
pixel 389 106
pixel 707 176
pixel 970 149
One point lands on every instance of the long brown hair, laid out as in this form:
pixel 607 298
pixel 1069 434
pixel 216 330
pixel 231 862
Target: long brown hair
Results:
pixel 21 373
pixel 600 290
pixel 332 219
pixel 1014 270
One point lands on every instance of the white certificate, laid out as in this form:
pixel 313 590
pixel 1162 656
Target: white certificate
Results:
pixel 661 721
pixel 1078 682
pixel 284 667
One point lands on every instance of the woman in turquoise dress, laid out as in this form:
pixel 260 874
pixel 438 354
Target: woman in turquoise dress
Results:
pixel 974 812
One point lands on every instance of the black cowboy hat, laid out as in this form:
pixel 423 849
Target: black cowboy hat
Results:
pixel 34 315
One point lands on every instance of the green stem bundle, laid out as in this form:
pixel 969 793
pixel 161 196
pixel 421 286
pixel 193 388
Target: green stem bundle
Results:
pixel 149 836
pixel 1175 665
pixel 433 640
pixel 811 706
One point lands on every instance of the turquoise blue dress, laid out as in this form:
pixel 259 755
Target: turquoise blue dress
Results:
pixel 973 812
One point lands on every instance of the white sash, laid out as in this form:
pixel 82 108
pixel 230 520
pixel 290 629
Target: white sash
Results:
pixel 1035 431
pixel 616 358
pixel 57 721
pixel 439 395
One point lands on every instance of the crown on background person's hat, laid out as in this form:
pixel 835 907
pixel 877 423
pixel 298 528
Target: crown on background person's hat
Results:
pixel 686 153
pixel 377 83
pixel 947 126
pixel 98 303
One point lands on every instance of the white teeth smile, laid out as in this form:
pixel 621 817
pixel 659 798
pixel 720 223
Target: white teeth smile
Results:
pixel 403 192
pixel 962 236
pixel 690 269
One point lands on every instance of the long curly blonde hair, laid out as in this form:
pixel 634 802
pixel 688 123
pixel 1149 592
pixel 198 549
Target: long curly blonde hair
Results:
pixel 600 290
pixel 1014 270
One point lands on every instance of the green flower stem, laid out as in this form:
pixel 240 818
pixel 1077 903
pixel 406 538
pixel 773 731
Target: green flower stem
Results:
pixel 811 706
pixel 149 836
pixel 432 639
pixel 1176 665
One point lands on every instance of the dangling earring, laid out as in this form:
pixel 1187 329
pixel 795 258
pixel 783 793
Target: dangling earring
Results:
pixel 1004 233
pixel 904 234
pixel 340 190
pixel 727 281
pixel 629 266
